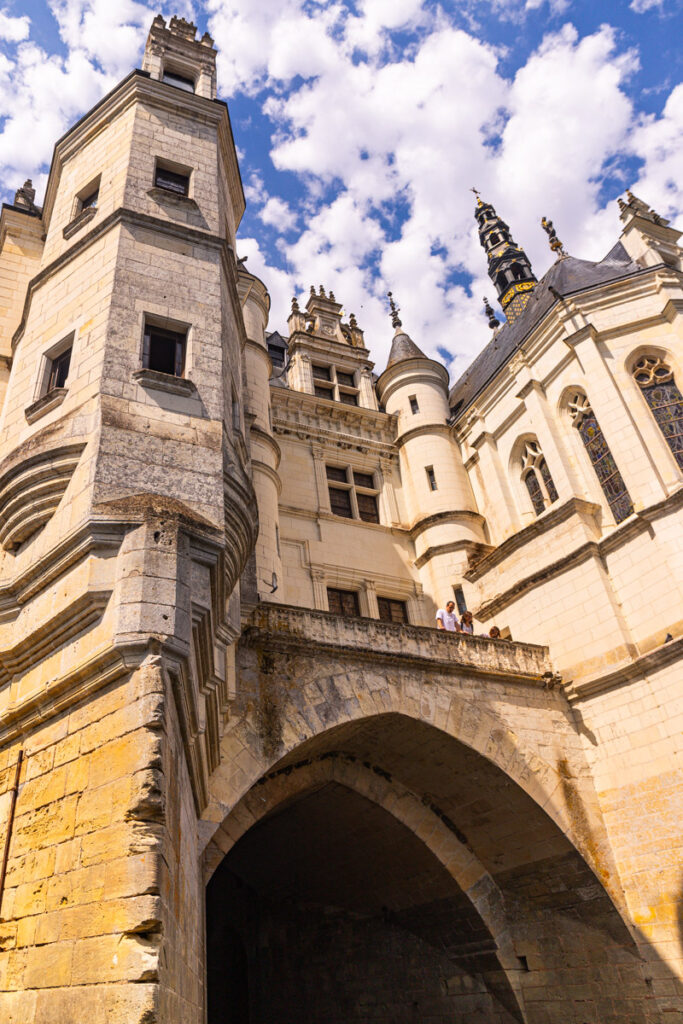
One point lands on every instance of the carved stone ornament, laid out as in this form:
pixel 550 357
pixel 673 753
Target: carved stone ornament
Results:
pixel 579 406
pixel 652 370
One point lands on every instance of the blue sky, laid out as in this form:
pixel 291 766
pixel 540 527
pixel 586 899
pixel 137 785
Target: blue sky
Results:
pixel 361 126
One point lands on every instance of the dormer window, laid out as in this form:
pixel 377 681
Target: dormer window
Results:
pixel 179 81
pixel 336 385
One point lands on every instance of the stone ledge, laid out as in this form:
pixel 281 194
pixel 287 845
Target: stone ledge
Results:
pixel 49 401
pixel 287 628
pixel 164 195
pixel 167 382
pixel 79 222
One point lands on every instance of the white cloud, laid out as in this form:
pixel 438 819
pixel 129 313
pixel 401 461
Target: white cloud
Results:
pixel 658 141
pixel 278 214
pixel 14 30
pixel 640 6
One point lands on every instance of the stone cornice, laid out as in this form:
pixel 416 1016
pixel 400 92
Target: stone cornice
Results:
pixel 454 516
pixel 293 630
pixel 633 526
pixel 133 218
pixel 625 673
pixel 423 430
pixel 548 521
pixel 308 417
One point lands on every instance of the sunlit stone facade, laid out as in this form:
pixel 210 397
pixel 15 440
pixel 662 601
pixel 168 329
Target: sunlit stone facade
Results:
pixel 242 777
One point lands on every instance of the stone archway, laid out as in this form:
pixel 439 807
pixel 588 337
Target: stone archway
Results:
pixel 503 915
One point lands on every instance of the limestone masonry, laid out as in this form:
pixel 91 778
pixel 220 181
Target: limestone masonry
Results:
pixel 242 777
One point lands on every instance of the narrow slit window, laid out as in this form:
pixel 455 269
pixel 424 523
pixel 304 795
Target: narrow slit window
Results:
pixel 431 478
pixel 164 351
pixel 460 601
pixel 414 406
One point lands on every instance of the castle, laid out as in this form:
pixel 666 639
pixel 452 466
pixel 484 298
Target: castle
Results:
pixel 242 777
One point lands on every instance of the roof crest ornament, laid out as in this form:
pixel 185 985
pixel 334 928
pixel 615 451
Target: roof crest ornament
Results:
pixel 553 241
pixel 478 195
pixel 494 323
pixel 395 321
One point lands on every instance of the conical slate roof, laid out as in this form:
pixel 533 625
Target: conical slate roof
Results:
pixel 403 347
pixel 566 277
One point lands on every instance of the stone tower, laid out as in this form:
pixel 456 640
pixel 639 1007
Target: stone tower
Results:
pixel 444 522
pixel 127 513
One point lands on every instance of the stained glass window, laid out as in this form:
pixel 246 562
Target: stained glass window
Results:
pixel 605 467
pixel 547 480
pixel 537 478
pixel 535 493
pixel 659 388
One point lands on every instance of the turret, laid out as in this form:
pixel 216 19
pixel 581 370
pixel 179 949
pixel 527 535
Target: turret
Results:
pixel 508 265
pixel 442 514
pixel 265 452
pixel 647 237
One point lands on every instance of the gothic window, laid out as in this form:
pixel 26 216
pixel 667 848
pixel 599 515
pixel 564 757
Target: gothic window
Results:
pixel 537 477
pixel 605 467
pixel 656 381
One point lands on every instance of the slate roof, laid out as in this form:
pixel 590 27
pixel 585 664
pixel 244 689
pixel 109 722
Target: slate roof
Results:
pixel 403 347
pixel 566 276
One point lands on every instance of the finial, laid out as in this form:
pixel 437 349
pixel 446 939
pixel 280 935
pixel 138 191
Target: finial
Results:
pixel 295 305
pixel 395 322
pixel 553 240
pixel 352 321
pixel 494 323
pixel 322 291
pixel 477 194
pixel 332 298
pixel 312 290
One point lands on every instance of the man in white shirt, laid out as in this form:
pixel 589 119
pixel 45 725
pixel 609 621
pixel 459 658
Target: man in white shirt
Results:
pixel 447 619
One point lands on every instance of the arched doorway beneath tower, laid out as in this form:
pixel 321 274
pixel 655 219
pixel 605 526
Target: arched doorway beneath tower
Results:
pixel 385 871
pixel 346 917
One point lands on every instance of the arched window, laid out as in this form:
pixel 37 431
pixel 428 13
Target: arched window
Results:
pixel 536 476
pixel 517 271
pixel 656 381
pixel 605 467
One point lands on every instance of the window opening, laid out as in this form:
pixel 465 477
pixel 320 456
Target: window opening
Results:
pixel 59 370
pixel 335 385
pixel 537 477
pixel 343 602
pixel 163 351
pixel 601 457
pixel 414 407
pixel 179 81
pixel 172 181
pixel 431 478
pixel 656 381
pixel 89 202
pixel 391 610
pixel 352 494
pixel 460 600
pixel 277 541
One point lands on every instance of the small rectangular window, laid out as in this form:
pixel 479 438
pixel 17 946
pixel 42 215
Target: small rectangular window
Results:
pixel 431 477
pixel 336 473
pixel 58 370
pixel 236 420
pixel 343 602
pixel 414 407
pixel 164 351
pixel 346 379
pixel 277 541
pixel 392 611
pixel 89 202
pixel 322 372
pixel 348 398
pixel 460 600
pixel 179 81
pixel 172 181
pixel 322 392
pixel 364 480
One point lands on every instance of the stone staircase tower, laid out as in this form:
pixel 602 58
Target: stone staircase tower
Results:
pixel 126 515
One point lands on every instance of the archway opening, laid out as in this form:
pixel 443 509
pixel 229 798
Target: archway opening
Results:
pixel 344 915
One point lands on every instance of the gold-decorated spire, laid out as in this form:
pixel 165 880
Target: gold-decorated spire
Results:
pixel 395 321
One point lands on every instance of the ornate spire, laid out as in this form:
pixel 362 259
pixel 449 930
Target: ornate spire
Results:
pixel 553 241
pixel 509 267
pixel 395 321
pixel 494 323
